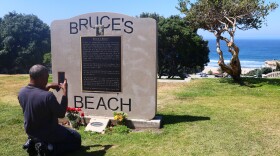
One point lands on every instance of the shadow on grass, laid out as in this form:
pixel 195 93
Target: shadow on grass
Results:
pixel 252 82
pixel 84 150
pixel 173 119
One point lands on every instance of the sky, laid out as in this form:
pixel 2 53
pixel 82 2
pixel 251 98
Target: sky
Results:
pixel 50 10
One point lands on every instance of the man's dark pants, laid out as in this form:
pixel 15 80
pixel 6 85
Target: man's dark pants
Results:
pixel 64 140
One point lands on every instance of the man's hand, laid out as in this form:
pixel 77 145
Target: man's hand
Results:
pixel 63 86
pixel 52 86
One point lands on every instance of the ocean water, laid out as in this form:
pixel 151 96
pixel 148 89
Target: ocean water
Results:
pixel 252 53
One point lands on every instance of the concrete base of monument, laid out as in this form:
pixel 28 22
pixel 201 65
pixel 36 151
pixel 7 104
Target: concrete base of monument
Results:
pixel 155 123
pixel 138 123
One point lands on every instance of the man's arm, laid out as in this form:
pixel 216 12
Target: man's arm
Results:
pixel 60 109
pixel 64 87
pixel 52 86
pixel 58 86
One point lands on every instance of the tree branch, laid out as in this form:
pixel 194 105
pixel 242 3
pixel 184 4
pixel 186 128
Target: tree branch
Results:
pixel 225 39
pixel 225 25
pixel 220 52
pixel 228 19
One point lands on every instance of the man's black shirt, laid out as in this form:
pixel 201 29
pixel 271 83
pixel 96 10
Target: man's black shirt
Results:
pixel 41 110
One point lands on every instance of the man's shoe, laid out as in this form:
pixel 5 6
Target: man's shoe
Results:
pixel 28 143
pixel 40 149
pixel 43 149
pixel 29 146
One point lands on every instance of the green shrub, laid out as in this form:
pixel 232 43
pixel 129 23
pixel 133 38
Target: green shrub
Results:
pixel 266 70
pixel 252 72
pixel 259 72
pixel 277 66
pixel 119 129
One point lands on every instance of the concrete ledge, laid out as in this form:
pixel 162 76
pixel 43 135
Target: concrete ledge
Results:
pixel 155 123
pixel 138 123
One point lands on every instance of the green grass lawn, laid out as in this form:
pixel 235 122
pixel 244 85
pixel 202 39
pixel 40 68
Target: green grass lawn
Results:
pixel 203 117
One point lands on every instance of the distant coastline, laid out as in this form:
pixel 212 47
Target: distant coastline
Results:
pixel 254 53
pixel 214 70
pixel 244 70
pixel 244 64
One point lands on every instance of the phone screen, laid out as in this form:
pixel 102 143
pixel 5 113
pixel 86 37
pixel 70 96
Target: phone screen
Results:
pixel 61 77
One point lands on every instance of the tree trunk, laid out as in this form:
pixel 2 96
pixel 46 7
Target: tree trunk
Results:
pixel 234 67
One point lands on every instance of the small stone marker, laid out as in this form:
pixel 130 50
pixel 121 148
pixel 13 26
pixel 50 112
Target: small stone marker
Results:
pixel 110 62
pixel 97 125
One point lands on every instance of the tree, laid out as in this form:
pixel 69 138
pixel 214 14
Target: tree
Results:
pixel 224 17
pixel 180 49
pixel 47 60
pixel 24 39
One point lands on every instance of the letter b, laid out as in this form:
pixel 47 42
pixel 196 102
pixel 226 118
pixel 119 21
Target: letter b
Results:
pixel 73 28
pixel 78 99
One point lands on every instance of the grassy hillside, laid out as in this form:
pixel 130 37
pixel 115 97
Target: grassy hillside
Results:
pixel 203 117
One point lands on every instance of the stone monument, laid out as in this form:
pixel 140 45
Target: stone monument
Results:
pixel 110 62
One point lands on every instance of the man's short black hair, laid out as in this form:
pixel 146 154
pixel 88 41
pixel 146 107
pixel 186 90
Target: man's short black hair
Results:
pixel 37 71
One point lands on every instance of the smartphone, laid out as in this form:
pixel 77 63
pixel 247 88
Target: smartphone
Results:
pixel 61 78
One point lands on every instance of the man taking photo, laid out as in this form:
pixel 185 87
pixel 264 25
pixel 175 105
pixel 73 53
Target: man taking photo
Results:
pixel 41 112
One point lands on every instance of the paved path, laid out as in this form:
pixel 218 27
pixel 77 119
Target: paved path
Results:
pixel 164 79
pixel 174 80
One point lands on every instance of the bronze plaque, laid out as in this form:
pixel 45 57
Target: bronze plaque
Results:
pixel 101 64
